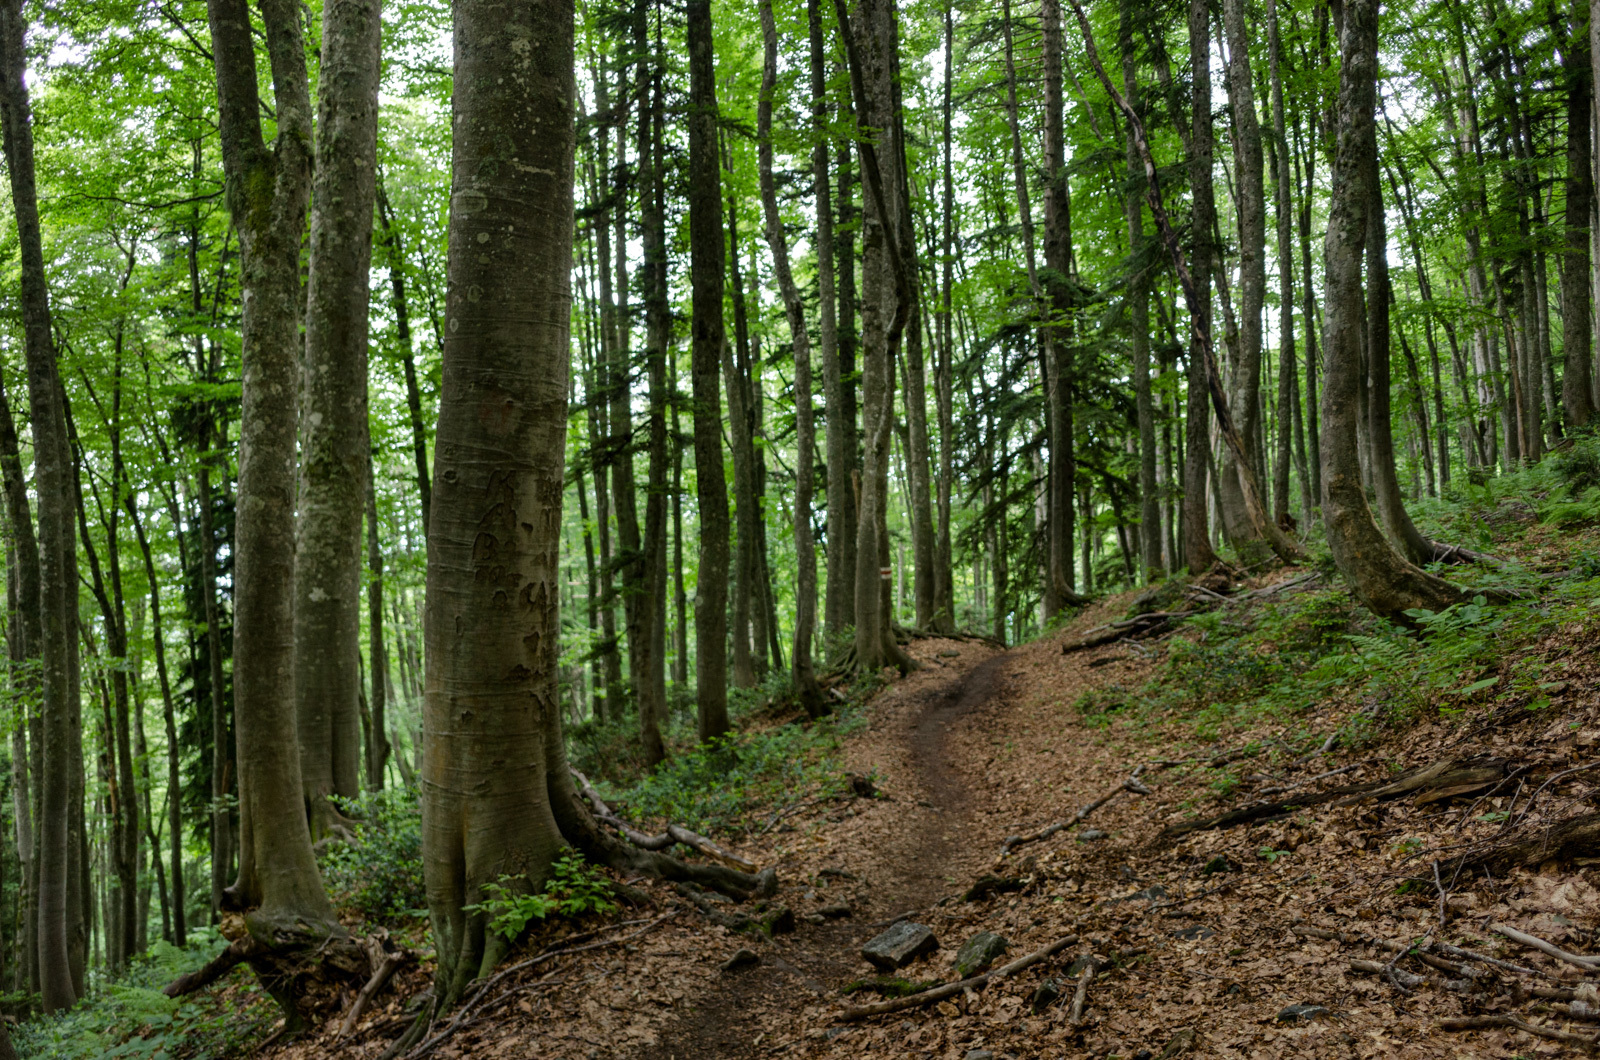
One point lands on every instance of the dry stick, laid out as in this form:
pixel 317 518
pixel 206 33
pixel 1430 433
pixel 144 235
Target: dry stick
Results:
pixel 1444 949
pixel 1565 773
pixel 939 993
pixel 1515 774
pixel 1280 789
pixel 1588 964
pixel 1080 996
pixel 673 834
pixel 466 1010
pixel 386 968
pixel 1477 1023
pixel 1131 784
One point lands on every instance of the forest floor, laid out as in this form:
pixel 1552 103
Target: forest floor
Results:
pixel 1200 943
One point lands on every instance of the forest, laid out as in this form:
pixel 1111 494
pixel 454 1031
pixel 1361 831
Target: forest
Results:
pixel 474 470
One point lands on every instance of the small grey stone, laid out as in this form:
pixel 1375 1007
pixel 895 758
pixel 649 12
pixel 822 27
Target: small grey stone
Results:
pixel 903 943
pixel 1220 863
pixel 1149 894
pixel 1046 995
pixel 740 959
pixel 835 1032
pixel 1089 835
pixel 814 918
pixel 1194 932
pixel 779 920
pixel 1299 1013
pixel 1076 968
pixel 949 655
pixel 979 1054
pixel 979 952
pixel 834 911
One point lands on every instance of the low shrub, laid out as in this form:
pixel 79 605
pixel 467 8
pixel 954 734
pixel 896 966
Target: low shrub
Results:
pixel 378 872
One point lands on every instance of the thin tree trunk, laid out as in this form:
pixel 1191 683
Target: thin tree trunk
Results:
pixel 1288 385
pixel 707 339
pixel 1577 393
pixel 805 683
pixel 736 379
pixel 57 587
pixel 378 740
pixel 1197 551
pixel 402 332
pixel 944 385
pixel 267 192
pixel 1139 322
pixel 839 600
pixel 335 443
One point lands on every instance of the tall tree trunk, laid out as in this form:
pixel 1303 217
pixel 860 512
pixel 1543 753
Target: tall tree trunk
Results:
pixel 335 443
pixel 872 46
pixel 1577 393
pixel 1288 385
pixel 1058 259
pixel 169 722
pixel 805 596
pixel 402 333
pixel 267 191
pixel 651 646
pixel 707 339
pixel 493 578
pixel 1197 551
pixel 741 419
pixel 840 589
pixel 1381 577
pixel 944 377
pixel 1244 370
pixel 58 582
pixel 378 664
pixel 1139 320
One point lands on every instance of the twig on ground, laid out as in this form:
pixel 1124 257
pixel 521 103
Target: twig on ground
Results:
pixel 1280 789
pixel 1132 784
pixel 1080 996
pixel 1478 1023
pixel 1588 964
pixel 385 965
pixel 939 993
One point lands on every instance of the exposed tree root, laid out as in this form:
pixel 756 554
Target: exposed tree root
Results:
pixel 928 997
pixel 1560 839
pixel 1477 1023
pixel 673 834
pixel 1127 629
pixel 385 961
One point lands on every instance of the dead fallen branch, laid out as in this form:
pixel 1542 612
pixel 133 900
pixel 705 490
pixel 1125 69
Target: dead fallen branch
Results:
pixel 1128 628
pixel 1564 838
pixel 1479 1023
pixel 1132 785
pixel 1080 996
pixel 673 834
pixel 239 950
pixel 1588 964
pixel 939 993
pixel 385 962
pixel 1434 955
pixel 1292 785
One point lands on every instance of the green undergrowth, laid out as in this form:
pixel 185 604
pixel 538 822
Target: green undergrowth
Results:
pixel 1284 659
pixel 130 1017
pixel 574 890
pixel 378 872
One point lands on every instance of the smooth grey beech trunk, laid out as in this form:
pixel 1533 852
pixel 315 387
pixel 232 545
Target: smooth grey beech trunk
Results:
pixel 1244 369
pixel 57 584
pixel 1384 579
pixel 805 618
pixel 1288 386
pixel 267 191
pixel 334 440
pixel 943 385
pixel 493 583
pixel 707 336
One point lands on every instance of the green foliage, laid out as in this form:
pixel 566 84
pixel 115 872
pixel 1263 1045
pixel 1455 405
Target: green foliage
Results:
pixel 130 1017
pixel 379 871
pixel 575 889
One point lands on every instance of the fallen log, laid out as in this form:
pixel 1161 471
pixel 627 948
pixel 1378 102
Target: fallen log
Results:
pixel 939 993
pixel 1130 628
pixel 673 834
pixel 1560 839
pixel 1479 1023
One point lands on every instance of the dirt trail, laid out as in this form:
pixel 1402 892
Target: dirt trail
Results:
pixel 928 841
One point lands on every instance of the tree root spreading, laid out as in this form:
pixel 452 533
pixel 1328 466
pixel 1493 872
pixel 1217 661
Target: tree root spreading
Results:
pixel 928 997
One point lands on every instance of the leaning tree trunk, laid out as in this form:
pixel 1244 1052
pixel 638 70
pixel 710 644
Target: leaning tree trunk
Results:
pixel 805 595
pixel 333 467
pixel 267 190
pixel 58 582
pixel 1387 582
pixel 707 336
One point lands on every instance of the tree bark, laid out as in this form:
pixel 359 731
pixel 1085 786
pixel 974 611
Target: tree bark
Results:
pixel 944 380
pixel 492 627
pixel 267 192
pixel 402 332
pixel 58 583
pixel 335 445
pixel 1288 384
pixel 1244 374
pixel 1139 320
pixel 706 342
pixel 805 682
pixel 1197 551
pixel 839 600
pixel 1381 577
pixel 1577 393
pixel 378 656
